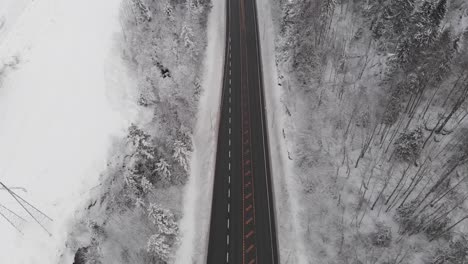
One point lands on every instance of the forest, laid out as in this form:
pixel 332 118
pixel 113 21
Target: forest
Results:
pixel 134 213
pixel 375 95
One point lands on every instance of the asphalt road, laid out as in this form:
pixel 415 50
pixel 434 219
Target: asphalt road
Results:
pixel 243 228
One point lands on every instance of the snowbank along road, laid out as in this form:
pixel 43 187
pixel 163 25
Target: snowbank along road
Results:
pixel 242 226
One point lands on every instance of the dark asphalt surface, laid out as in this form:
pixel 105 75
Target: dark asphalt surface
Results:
pixel 243 228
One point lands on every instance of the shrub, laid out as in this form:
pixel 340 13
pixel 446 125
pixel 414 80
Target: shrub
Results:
pixel 159 245
pixel 404 217
pixel 382 237
pixel 456 253
pixel 436 227
pixel 87 255
pixel 408 146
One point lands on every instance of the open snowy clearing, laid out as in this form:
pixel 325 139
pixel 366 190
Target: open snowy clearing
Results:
pixel 59 112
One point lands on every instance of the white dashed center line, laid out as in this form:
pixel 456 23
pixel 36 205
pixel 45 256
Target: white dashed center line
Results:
pixel 229 153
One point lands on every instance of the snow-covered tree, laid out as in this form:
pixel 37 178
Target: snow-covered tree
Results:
pixel 195 6
pixel 408 145
pixel 146 185
pixel 181 154
pixel 187 36
pixel 129 178
pixel 163 219
pixel 163 168
pixel 138 137
pixel 141 10
pixel 162 242
pixel 139 202
pixel 382 237
pixel 158 244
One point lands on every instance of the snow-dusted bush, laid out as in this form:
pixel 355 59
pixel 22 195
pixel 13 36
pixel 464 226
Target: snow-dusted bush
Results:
pixel 435 228
pixel 159 245
pixel 163 168
pixel 455 253
pixel 181 154
pixel 408 146
pixel 382 237
pixel 163 219
pixel 146 185
pixel 97 231
pixel 87 255
pixel 405 217
pixel 392 111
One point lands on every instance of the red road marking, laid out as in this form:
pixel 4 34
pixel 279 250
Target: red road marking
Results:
pixel 247 166
pixel 250 248
pixel 249 234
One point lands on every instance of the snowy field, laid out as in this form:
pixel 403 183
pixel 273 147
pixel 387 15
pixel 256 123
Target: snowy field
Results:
pixel 10 12
pixel 59 113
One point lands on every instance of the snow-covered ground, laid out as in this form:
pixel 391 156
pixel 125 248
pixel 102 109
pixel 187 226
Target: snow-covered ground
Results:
pixel 291 247
pixel 10 12
pixel 198 193
pixel 59 112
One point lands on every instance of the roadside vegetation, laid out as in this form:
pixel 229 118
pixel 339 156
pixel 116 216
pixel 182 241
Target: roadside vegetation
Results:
pixel 376 98
pixel 134 213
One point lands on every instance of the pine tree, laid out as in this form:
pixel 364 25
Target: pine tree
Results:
pixel 163 219
pixel 163 168
pixel 181 154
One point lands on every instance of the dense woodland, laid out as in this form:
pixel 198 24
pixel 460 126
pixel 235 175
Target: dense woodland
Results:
pixel 376 98
pixel 133 217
